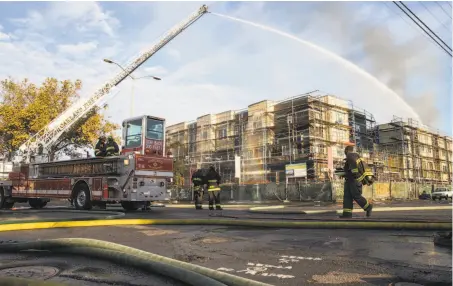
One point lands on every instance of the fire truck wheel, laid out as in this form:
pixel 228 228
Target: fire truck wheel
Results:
pixel 37 203
pixel 3 203
pixel 82 199
pixel 129 206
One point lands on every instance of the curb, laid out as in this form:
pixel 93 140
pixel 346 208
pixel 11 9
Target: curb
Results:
pixel 281 210
pixel 187 206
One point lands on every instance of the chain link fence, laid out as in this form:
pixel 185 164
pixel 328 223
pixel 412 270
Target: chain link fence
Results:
pixel 302 192
pixel 309 192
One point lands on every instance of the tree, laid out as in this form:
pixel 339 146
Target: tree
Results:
pixel 25 109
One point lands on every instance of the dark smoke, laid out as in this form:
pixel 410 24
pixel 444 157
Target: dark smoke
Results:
pixel 386 57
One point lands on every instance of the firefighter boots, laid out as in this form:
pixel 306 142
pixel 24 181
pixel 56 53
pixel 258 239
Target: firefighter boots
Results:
pixel 346 215
pixel 368 210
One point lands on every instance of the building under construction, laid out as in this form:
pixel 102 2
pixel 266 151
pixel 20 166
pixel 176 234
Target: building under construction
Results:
pixel 413 152
pixel 254 145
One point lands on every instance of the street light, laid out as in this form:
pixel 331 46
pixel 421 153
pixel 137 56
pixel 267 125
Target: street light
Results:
pixel 150 76
pixel 133 81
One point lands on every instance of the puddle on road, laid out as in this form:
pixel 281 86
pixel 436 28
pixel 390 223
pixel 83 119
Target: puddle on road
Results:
pixel 211 240
pixel 149 231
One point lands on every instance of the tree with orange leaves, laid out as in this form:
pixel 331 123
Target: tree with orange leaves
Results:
pixel 26 108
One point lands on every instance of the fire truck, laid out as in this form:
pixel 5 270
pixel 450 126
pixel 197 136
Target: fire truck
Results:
pixel 141 174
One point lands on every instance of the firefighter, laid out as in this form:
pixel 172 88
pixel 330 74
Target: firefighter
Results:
pixel 213 182
pixel 100 149
pixel 356 174
pixel 112 148
pixel 198 181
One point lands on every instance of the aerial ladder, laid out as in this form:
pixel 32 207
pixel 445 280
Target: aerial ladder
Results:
pixel 77 114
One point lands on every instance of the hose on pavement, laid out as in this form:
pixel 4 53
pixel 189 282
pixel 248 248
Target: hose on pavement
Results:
pixel 399 225
pixel 187 273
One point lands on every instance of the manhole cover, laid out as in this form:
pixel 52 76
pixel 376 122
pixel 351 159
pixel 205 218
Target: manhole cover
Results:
pixel 36 272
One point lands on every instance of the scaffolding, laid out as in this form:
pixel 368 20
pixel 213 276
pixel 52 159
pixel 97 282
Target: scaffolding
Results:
pixel 268 135
pixel 414 152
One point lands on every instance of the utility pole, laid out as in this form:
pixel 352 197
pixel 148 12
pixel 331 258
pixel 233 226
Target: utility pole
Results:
pixel 132 99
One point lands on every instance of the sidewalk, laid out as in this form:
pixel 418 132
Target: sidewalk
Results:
pixel 320 210
pixel 311 208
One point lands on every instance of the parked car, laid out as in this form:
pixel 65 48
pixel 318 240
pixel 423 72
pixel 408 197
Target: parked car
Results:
pixel 442 193
pixel 424 196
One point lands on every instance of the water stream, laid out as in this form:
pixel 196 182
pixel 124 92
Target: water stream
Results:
pixel 332 55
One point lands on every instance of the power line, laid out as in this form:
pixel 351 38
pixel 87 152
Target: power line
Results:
pixel 449 4
pixel 422 28
pixel 410 24
pixel 443 8
pixel 423 23
pixel 431 13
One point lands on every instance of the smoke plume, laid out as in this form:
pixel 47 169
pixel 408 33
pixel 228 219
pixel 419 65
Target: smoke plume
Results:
pixel 393 60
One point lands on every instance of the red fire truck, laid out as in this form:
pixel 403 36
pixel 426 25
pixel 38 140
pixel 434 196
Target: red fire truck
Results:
pixel 141 174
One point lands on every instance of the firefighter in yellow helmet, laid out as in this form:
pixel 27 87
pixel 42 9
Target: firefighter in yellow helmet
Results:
pixel 213 182
pixel 356 173
pixel 100 149
pixel 112 148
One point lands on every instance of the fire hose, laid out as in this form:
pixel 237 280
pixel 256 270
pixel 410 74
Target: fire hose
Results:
pixel 312 224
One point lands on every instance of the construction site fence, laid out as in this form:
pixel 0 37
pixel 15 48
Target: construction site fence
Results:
pixel 392 190
pixel 327 191
pixel 321 191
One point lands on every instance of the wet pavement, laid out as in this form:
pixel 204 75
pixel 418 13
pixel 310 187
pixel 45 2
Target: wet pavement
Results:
pixel 275 256
pixel 74 270
pixel 281 256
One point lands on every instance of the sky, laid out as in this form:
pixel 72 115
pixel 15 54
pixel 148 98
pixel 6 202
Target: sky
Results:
pixel 367 52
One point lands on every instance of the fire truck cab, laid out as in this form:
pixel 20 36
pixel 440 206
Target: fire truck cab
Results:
pixel 144 135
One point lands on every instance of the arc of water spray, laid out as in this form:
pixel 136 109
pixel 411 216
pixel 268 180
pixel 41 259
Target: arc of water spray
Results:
pixel 344 61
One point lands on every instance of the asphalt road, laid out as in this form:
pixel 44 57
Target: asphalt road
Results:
pixel 275 256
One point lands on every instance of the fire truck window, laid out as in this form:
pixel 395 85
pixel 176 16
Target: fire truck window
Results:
pixel 155 129
pixel 133 134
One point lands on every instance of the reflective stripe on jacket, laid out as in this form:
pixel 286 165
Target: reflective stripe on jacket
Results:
pixel 213 186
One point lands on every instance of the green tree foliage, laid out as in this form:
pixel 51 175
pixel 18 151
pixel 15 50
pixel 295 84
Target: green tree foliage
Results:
pixel 25 109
